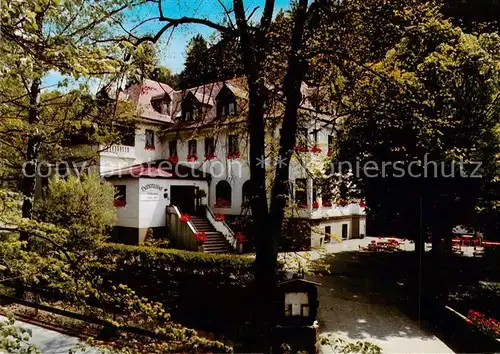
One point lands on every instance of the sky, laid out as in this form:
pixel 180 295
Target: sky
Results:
pixel 172 46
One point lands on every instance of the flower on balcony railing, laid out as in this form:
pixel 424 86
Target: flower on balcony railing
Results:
pixel 192 158
pixel 173 159
pixel 185 218
pixel 343 203
pixel 233 156
pixel 300 148
pixel 316 149
pixel 303 206
pixel 240 238
pixel 489 326
pixel 120 203
pixel 315 205
pixel 209 157
pixel 327 204
pixel 219 217
pixel 362 204
pixel 329 153
pixel 201 237
pixel 222 203
pixel 149 147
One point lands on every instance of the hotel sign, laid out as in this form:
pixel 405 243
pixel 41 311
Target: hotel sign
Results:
pixel 152 192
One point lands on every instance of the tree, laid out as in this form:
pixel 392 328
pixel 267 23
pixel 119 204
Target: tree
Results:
pixel 432 98
pixel 79 44
pixel 81 205
pixel 254 49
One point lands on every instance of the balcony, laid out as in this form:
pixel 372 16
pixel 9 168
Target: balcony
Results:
pixel 122 151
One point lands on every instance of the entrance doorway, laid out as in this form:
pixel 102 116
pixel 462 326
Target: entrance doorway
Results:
pixel 344 231
pixel 328 234
pixel 183 197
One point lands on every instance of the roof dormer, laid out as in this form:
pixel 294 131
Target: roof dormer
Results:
pixel 191 108
pixel 226 102
pixel 161 104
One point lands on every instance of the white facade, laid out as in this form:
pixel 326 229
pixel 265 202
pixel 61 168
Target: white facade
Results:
pixel 141 212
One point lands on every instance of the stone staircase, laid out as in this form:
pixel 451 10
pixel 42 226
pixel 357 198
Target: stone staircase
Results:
pixel 216 242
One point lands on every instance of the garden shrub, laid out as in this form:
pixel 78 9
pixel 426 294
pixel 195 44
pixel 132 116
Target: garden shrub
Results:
pixel 197 287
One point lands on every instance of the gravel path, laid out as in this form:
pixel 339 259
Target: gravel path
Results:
pixel 352 309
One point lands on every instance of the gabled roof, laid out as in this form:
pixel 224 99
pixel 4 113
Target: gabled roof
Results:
pixel 159 169
pixel 206 95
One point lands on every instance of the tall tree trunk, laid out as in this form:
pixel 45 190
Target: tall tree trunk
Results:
pixel 29 173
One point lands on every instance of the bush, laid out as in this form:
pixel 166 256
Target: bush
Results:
pixel 83 207
pixel 195 287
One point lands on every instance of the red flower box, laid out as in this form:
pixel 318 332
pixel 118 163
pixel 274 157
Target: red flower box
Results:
pixel 240 238
pixel 487 325
pixel 362 204
pixel 149 147
pixel 201 237
pixel 316 149
pixel 120 203
pixel 173 159
pixel 185 218
pixel 219 217
pixel 233 156
pixel 327 204
pixel 315 205
pixel 303 206
pixel 210 157
pixel 222 203
pixel 343 203
pixel 192 158
pixel 300 148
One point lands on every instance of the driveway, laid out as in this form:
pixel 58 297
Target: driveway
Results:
pixel 51 342
pixel 354 308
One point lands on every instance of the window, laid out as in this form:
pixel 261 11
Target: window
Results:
pixel 246 193
pixel 233 148
pixel 326 195
pixel 315 137
pixel 302 137
pixel 301 191
pixel 226 105
pixel 209 147
pixel 330 144
pixel 150 140
pixel 191 112
pixel 127 135
pixel 223 195
pixel 190 108
pixel 192 147
pixel 172 148
pixel 120 196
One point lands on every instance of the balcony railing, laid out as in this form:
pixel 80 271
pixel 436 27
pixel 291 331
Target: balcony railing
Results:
pixel 119 151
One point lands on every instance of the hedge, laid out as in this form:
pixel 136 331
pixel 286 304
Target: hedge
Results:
pixel 194 287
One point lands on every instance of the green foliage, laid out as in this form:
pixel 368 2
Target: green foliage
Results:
pixel 14 339
pixel 83 206
pixel 165 267
pixel 433 96
pixel 342 346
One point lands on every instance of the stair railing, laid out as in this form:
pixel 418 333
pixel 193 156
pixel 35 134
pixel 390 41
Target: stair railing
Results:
pixel 182 233
pixel 224 229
